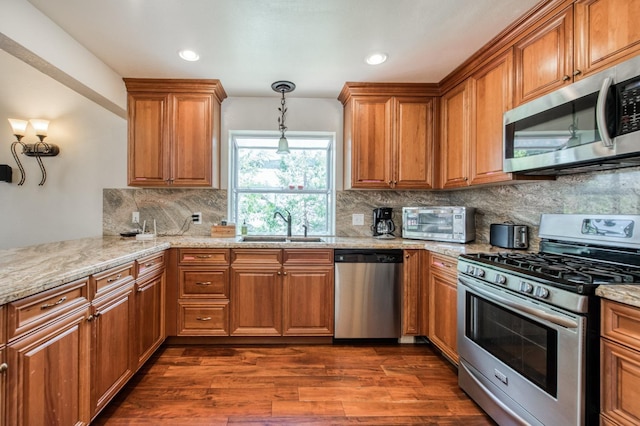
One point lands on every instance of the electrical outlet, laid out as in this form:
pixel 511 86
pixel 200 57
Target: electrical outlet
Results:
pixel 135 217
pixel 197 218
pixel 357 219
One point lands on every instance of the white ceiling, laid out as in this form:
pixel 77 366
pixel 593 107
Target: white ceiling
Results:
pixel 317 44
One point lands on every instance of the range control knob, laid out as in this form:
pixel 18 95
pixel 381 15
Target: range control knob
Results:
pixel 479 272
pixel 500 279
pixel 470 270
pixel 542 292
pixel 525 287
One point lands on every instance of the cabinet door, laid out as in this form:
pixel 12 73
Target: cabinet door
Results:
pixel 620 387
pixel 371 150
pixel 256 301
pixel 192 139
pixel 454 138
pixel 148 162
pixel 493 86
pixel 543 60
pixel 308 300
pixel 149 319
pixel 443 313
pixel 411 292
pixel 49 374
pixel 413 145
pixel 606 32
pixel 112 347
pixel 3 385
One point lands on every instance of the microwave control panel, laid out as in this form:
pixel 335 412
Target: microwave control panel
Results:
pixel 629 104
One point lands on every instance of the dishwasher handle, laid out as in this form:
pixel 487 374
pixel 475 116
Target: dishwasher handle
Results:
pixel 367 256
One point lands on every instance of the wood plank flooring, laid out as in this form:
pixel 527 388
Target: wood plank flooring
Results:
pixel 294 385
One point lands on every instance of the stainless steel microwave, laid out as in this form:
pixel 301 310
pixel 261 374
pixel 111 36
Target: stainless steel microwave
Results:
pixel 592 124
pixel 447 223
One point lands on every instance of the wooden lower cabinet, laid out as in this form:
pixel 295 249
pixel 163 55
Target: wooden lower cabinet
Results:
pixel 308 298
pixel 256 300
pixel 112 345
pixel 282 292
pixel 49 375
pixel 414 293
pixel 620 364
pixel 443 305
pixel 149 327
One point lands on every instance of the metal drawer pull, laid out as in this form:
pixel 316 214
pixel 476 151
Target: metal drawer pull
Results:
pixel 110 280
pixel 51 305
pixel 148 265
pixel 204 256
pixel 204 283
pixel 203 318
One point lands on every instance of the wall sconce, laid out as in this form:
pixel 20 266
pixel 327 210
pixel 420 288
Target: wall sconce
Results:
pixel 38 149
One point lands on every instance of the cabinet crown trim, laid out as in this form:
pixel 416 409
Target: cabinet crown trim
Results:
pixel 351 88
pixel 176 86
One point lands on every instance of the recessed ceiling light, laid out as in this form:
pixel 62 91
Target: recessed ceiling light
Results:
pixel 376 58
pixel 189 55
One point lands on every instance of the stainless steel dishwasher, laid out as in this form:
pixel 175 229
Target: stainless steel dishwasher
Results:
pixel 368 293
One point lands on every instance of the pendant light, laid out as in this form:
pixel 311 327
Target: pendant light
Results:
pixel 283 87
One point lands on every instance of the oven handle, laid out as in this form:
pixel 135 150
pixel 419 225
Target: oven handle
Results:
pixel 514 416
pixel 556 319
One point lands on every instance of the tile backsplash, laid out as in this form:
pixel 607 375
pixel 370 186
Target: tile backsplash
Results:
pixel 615 192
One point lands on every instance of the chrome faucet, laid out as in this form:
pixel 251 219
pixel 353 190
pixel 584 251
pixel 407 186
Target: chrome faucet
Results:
pixel 286 219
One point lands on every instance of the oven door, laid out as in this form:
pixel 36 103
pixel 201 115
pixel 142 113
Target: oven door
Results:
pixel 521 361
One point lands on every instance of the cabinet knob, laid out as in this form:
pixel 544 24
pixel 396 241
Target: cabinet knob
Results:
pixel 3 367
pixel 406 256
pixel 577 72
pixel 279 273
pixel 566 78
pixel 90 318
pixel 285 273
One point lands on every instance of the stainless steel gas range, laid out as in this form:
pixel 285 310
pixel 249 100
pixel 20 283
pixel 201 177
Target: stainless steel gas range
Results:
pixel 528 324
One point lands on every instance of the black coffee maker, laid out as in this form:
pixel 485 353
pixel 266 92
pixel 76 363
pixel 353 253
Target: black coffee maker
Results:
pixel 383 226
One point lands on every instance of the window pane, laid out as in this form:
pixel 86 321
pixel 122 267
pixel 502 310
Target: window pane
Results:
pixel 262 168
pixel 257 210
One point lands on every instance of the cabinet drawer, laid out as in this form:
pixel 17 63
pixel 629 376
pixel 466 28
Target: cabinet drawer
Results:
pixel 308 257
pixel 621 323
pixel 202 256
pixel 253 256
pixel 210 283
pixel 34 311
pixel 203 319
pixel 146 265
pixel 110 279
pixel 444 264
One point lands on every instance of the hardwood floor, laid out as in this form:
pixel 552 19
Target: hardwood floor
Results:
pixel 294 385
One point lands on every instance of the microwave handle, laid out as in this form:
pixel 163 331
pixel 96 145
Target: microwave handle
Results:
pixel 601 118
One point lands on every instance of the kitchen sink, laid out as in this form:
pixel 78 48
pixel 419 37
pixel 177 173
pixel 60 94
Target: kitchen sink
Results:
pixel 279 239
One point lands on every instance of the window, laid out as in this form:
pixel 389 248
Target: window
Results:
pixel 263 182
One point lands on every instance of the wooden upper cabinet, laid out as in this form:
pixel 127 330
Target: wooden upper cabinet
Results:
pixel 493 86
pixel 174 132
pixel 414 143
pixel 455 136
pixel 388 135
pixel 371 149
pixel 582 38
pixel 606 32
pixel 544 58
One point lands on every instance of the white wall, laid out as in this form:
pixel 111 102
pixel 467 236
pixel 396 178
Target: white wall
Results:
pixel 303 115
pixel 93 155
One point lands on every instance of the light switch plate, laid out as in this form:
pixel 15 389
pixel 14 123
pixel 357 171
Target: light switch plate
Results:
pixel 357 219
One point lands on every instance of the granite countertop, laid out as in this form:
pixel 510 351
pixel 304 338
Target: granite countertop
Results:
pixel 29 270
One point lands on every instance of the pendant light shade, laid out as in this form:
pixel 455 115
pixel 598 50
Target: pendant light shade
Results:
pixel 283 87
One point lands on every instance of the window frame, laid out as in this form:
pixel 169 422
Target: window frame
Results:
pixel 330 192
